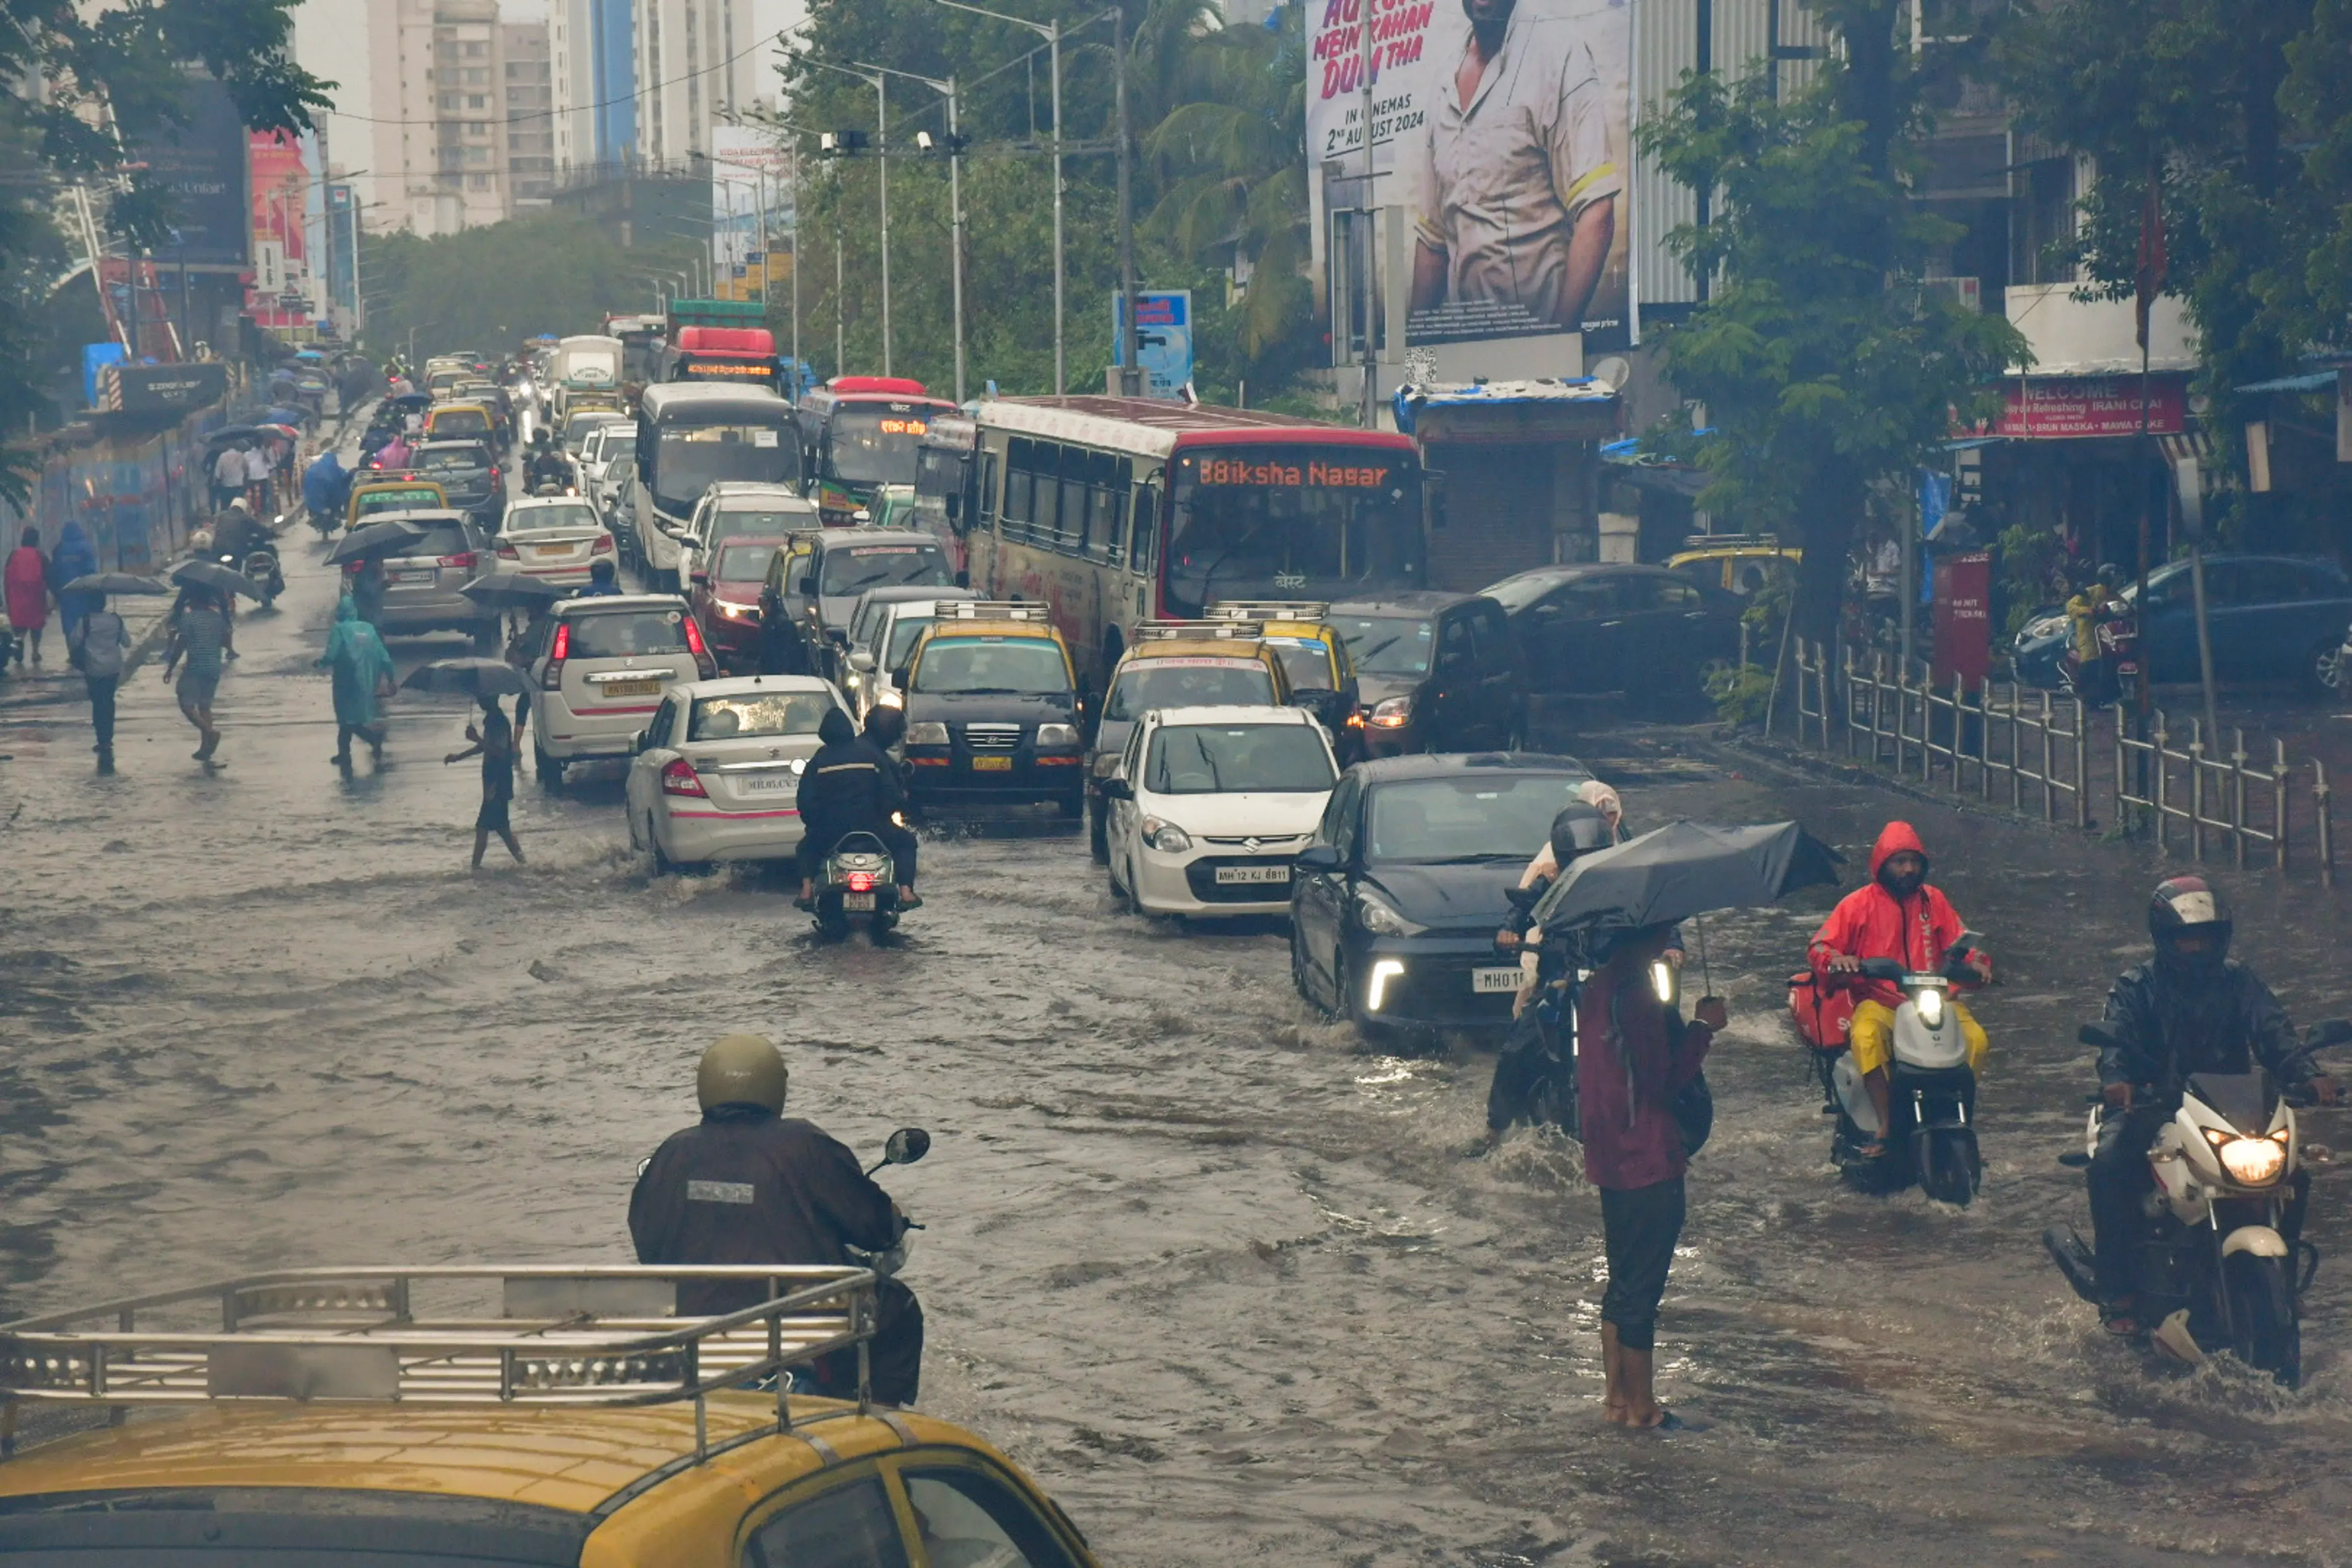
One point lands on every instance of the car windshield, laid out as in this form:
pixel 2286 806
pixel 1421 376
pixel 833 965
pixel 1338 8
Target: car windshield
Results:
pixel 461 422
pixel 903 633
pixel 617 633
pixel 853 569
pixel 1385 645
pixel 1149 683
pixel 876 446
pixel 1307 524
pixel 542 519
pixel 1306 662
pixel 745 563
pixel 967 667
pixel 690 458
pixel 1474 816
pixel 1222 758
pixel 757 713
pixel 576 428
pixel 446 539
pixel 618 446
pixel 764 520
pixel 451 460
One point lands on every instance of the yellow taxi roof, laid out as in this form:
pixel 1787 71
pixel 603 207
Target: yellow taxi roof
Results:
pixel 1038 630
pixel 1735 552
pixel 574 1459
pixel 1242 650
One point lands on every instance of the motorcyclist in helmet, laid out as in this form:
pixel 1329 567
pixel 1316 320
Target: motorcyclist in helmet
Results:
pixel 236 533
pixel 2193 1009
pixel 748 1185
pixel 850 787
pixel 548 464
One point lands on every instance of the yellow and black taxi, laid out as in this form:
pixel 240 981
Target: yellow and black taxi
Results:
pixel 327 1419
pixel 1736 563
pixel 1314 659
pixel 994 716
pixel 1218 663
pixel 393 492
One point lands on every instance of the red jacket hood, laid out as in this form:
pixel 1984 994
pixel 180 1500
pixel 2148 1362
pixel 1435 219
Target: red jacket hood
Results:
pixel 1894 839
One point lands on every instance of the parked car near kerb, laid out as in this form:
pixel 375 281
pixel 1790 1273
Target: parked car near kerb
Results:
pixel 1434 672
pixel 1395 901
pixel 2270 618
pixel 1646 631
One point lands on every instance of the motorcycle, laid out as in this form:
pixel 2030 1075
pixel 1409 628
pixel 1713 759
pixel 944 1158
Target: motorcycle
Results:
pixel 2043 655
pixel 858 879
pixel 2224 1265
pixel 260 567
pixel 1931 1090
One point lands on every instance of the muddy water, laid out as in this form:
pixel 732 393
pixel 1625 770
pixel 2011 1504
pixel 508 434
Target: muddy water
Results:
pixel 1217 1271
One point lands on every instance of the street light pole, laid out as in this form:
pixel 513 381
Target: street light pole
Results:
pixel 955 209
pixel 1130 373
pixel 874 77
pixel 1052 33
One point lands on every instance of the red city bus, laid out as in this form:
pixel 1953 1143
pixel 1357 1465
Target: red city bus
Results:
pixel 730 356
pixel 1224 503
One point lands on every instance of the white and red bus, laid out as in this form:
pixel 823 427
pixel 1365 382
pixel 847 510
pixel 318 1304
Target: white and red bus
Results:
pixel 861 433
pixel 1115 510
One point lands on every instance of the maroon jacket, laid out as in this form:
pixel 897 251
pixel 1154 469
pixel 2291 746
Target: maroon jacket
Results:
pixel 1633 1056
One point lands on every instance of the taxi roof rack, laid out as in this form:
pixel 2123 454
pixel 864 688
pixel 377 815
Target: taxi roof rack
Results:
pixel 995 610
pixel 1229 627
pixel 1269 610
pixel 1731 542
pixel 567 1335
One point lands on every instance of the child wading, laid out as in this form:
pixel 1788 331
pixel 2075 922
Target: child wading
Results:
pixel 494 742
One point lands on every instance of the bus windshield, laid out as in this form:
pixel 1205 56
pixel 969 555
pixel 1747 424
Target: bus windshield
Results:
pixel 872 445
pixel 1327 523
pixel 690 458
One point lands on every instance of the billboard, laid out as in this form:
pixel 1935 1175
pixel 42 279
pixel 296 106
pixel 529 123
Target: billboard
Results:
pixel 749 172
pixel 202 165
pixel 279 188
pixel 1501 140
pixel 1164 323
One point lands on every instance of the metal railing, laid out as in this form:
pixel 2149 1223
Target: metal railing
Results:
pixel 2035 754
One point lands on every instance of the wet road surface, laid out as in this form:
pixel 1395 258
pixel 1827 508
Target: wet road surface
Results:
pixel 1217 1272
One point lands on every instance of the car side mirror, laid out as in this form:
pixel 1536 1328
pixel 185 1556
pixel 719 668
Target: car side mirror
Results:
pixel 2102 1035
pixel 806 586
pixel 1118 789
pixel 698 577
pixel 861 662
pixel 1319 857
pixel 906 1146
pixel 639 741
pixel 902 677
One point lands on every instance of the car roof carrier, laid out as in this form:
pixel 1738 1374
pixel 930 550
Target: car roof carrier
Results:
pixel 574 1336
pixel 996 610
pixel 1229 629
pixel 1268 610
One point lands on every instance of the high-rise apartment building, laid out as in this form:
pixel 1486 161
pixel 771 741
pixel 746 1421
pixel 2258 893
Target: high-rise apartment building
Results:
pixel 593 75
pixel 701 63
pixel 530 97
pixel 439 161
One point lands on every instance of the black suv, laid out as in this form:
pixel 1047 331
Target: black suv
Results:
pixel 1434 672
pixel 467 474
pixel 992 711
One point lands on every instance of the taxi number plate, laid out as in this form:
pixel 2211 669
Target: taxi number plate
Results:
pixel 991 764
pixel 769 783
pixel 630 688
pixel 857 901
pixel 553 549
pixel 1229 875
pixel 426 575
pixel 1486 980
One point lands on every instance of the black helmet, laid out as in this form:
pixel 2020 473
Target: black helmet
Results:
pixel 1579 829
pixel 2185 906
pixel 2110 572
pixel 886 725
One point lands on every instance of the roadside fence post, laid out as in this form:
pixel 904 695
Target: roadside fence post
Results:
pixel 2016 753
pixel 2197 790
pixel 2322 797
pixel 2279 805
pixel 2081 764
pixel 2238 796
pixel 2049 806
pixel 2162 794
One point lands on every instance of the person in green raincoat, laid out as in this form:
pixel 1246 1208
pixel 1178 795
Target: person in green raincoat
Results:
pixel 362 669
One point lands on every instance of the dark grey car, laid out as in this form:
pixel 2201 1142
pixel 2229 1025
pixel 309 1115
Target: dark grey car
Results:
pixel 421 582
pixel 467 474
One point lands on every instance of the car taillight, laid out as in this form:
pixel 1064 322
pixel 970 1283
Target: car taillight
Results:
pixel 679 778
pixel 603 545
pixel 859 881
pixel 494 475
pixel 700 651
pixel 509 553
pixel 465 557
pixel 553 680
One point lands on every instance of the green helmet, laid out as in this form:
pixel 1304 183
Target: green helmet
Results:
pixel 742 1069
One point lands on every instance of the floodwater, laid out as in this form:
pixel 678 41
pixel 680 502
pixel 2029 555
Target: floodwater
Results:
pixel 1218 1273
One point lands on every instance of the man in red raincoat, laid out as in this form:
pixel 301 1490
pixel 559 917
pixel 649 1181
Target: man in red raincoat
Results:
pixel 1897 916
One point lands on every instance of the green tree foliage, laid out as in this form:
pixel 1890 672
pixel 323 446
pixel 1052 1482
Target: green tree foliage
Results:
pixel 1219 176
pixel 1826 370
pixel 488 288
pixel 85 81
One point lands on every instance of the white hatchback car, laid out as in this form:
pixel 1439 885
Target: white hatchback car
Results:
pixel 553 538
pixel 1210 806
pixel 599 665
pixel 716 775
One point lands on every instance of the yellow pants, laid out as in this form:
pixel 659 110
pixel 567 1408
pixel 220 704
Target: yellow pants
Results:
pixel 1872 1039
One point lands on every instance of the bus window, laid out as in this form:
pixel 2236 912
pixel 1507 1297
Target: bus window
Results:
pixel 1019 482
pixel 1146 554
pixel 987 489
pixel 1077 471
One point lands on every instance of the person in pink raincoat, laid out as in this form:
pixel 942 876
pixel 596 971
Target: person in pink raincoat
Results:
pixel 27 589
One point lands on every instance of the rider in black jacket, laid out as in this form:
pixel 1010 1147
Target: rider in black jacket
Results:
pixel 851 787
pixel 2194 1009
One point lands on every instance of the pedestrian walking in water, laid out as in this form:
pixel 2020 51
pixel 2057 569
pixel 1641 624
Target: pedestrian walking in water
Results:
pixel 26 587
pixel 494 742
pixel 100 640
pixel 1637 1062
pixel 75 556
pixel 362 674
pixel 200 637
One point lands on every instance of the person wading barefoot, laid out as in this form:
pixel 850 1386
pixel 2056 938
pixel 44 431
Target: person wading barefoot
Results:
pixel 494 742
pixel 200 636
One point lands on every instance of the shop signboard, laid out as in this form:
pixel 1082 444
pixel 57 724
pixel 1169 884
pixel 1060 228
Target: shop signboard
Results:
pixel 1964 618
pixel 2084 407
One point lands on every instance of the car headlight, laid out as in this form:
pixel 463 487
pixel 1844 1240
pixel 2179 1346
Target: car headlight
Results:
pixel 2249 1162
pixel 1165 836
pixel 1379 917
pixel 1057 734
pixel 1394 713
pixel 733 612
pixel 927 734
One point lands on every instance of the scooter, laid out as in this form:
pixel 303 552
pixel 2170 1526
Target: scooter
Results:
pixel 2224 1266
pixel 1931 1090
pixel 259 568
pixel 857 880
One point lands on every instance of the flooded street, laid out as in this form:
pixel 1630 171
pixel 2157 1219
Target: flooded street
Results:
pixel 1219 1273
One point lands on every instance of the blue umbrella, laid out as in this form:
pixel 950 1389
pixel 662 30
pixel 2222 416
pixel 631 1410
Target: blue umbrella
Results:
pixel 284 415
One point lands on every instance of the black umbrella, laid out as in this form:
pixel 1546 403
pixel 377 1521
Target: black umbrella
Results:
pixel 376 538
pixel 410 400
pixel 513 590
pixel 114 582
pixel 468 677
pixel 213 575
pixel 232 433
pixel 1685 869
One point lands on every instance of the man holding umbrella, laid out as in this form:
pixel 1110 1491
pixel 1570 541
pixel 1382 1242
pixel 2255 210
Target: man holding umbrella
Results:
pixel 485 680
pixel 200 635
